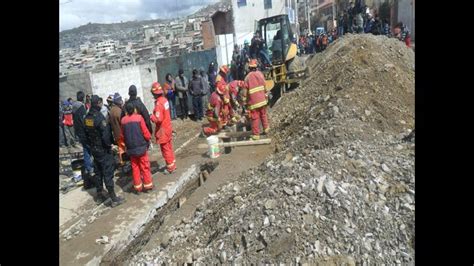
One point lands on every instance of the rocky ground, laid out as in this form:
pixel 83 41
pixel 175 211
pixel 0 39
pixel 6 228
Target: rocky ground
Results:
pixel 339 187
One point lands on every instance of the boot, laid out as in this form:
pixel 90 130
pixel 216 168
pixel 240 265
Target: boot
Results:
pixel 115 199
pixel 100 197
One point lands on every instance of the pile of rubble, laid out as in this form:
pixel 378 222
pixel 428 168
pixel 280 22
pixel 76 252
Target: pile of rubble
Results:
pixel 340 186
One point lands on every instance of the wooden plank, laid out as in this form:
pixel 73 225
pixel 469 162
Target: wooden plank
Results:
pixel 238 143
pixel 234 134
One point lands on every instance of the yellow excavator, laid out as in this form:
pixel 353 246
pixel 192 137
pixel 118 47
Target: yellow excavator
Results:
pixel 282 67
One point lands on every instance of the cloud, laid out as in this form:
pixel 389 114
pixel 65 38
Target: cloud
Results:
pixel 79 12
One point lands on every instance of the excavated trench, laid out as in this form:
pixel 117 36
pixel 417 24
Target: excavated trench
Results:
pixel 120 256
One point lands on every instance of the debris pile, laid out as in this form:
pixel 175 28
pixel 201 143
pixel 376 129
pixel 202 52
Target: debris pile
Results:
pixel 339 187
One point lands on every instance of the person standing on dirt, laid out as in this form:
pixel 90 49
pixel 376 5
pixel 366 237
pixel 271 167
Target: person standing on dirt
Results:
pixel 255 99
pixel 68 124
pixel 163 129
pixel 99 140
pixel 79 111
pixel 196 89
pixel 141 108
pixel 169 88
pixel 114 120
pixel 182 89
pixel 212 74
pixel 62 134
pixel 136 136
pixel 206 90
pixel 88 102
pixel 244 59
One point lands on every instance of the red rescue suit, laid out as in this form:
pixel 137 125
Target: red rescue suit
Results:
pixel 135 126
pixel 256 101
pixel 215 114
pixel 163 131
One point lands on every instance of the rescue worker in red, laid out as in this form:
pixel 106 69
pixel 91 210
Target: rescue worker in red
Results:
pixel 256 100
pixel 163 130
pixel 136 136
pixel 222 76
pixel 232 93
pixel 214 112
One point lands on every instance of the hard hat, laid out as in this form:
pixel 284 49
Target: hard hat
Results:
pixel 253 63
pixel 224 69
pixel 156 88
pixel 220 88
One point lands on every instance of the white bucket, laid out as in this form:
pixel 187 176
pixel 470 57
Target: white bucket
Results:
pixel 76 174
pixel 213 142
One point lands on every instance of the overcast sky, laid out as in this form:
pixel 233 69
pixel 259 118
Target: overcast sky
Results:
pixel 74 13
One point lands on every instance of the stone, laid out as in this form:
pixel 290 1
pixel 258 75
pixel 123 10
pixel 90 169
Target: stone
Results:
pixel 327 98
pixel 266 221
pixel 330 188
pixel 238 199
pixel 288 191
pixel 297 189
pixel 236 188
pixel 197 254
pixel 321 183
pixel 367 112
pixel 270 204
pixel 251 226
pixel 307 209
pixel 223 256
pixel 189 258
pixel 288 230
pixel 165 240
pixel 308 219
pixel 385 168
pixel 102 240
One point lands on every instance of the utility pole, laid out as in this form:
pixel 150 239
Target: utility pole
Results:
pixel 333 12
pixel 309 16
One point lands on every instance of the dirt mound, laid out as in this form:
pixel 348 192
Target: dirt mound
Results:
pixel 361 85
pixel 340 187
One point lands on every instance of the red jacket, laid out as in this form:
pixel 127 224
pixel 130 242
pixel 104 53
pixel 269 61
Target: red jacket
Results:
pixel 161 117
pixel 135 134
pixel 214 107
pixel 255 93
pixel 68 120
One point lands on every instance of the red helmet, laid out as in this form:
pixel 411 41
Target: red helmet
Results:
pixel 224 69
pixel 156 88
pixel 253 63
pixel 221 88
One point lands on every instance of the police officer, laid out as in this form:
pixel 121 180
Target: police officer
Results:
pixel 99 141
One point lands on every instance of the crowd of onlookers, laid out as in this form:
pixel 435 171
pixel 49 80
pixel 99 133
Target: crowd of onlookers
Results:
pixel 355 19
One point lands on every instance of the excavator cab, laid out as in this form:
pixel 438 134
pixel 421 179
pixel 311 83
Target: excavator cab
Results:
pixel 275 32
pixel 280 63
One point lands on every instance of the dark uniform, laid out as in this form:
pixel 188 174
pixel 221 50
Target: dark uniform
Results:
pixel 99 140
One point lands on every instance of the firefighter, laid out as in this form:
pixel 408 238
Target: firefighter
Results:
pixel 215 113
pixel 136 136
pixel 233 89
pixel 256 99
pixel 222 76
pixel 99 140
pixel 163 130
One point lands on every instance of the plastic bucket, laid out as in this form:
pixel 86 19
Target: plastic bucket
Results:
pixel 213 143
pixel 77 169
